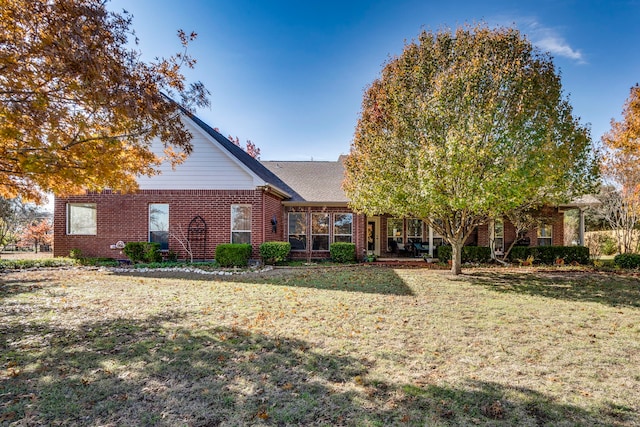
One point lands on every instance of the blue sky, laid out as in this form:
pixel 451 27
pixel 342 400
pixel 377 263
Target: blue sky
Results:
pixel 290 75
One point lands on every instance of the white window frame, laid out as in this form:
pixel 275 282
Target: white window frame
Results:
pixel 542 235
pixel 342 235
pixel 150 224
pixel 416 236
pixel 304 232
pixel 91 229
pixel 398 236
pixel 244 231
pixel 327 218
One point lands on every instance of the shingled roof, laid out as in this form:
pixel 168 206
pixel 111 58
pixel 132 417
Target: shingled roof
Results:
pixel 312 181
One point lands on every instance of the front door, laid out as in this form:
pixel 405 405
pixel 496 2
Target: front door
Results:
pixel 373 235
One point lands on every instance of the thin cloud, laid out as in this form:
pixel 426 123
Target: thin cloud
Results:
pixel 548 40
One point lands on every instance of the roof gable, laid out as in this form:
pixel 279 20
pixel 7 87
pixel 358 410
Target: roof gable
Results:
pixel 215 163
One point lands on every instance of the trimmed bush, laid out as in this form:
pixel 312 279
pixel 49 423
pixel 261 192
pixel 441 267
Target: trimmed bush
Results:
pixel 444 253
pixel 273 252
pixel 143 252
pixel 99 262
pixel 233 254
pixel 343 252
pixel 549 254
pixel 469 253
pixel 520 252
pixel 627 260
pixel 22 264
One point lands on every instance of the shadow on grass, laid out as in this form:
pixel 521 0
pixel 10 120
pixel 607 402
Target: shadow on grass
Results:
pixel 157 372
pixel 352 278
pixel 604 288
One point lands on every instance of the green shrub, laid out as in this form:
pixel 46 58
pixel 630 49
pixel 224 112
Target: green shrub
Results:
pixel 476 254
pixel 549 254
pixel 520 252
pixel 444 253
pixel 233 254
pixel 172 256
pixel 627 260
pixel 98 262
pixel 343 252
pixel 469 253
pixel 273 252
pixel 75 253
pixel 609 245
pixel 143 251
pixel 21 264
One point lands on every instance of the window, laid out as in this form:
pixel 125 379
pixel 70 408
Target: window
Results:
pixel 414 230
pixel 395 234
pixel 544 234
pixel 241 224
pixel 81 219
pixel 298 230
pixel 159 224
pixel 498 236
pixel 342 226
pixel 320 231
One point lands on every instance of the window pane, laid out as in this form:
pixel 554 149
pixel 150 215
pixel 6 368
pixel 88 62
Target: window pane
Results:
pixel 498 228
pixel 298 242
pixel 394 228
pixel 159 224
pixel 297 223
pixel 544 230
pixel 320 243
pixel 395 234
pixel 241 237
pixel 545 234
pixel 298 230
pixel 81 218
pixel 240 218
pixel 414 228
pixel 158 217
pixel 344 239
pixel 342 224
pixel 161 237
pixel 320 223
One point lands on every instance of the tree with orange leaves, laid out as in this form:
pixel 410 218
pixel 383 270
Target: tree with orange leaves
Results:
pixel 36 234
pixel 621 166
pixel 78 107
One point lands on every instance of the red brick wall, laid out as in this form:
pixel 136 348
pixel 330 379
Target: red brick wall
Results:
pixel 273 209
pixel 125 217
pixel 557 235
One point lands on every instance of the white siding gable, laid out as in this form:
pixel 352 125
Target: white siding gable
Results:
pixel 209 167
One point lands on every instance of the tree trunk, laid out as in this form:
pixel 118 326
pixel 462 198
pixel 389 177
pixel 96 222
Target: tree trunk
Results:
pixel 456 257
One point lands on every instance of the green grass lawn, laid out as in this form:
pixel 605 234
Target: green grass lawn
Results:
pixel 352 346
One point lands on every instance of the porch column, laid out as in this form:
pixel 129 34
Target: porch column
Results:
pixel 581 227
pixel 430 242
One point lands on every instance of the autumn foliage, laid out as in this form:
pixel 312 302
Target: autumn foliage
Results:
pixel 466 125
pixel 78 107
pixel 36 234
pixel 621 162
pixel 621 166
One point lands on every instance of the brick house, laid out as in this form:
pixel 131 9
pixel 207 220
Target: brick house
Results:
pixel 220 194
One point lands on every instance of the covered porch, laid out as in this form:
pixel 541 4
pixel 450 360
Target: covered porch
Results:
pixel 394 238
